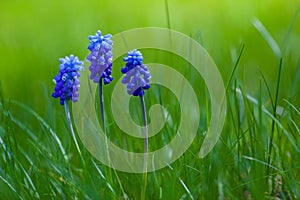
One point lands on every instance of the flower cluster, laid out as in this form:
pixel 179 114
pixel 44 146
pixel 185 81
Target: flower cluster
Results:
pixel 100 57
pixel 136 73
pixel 67 82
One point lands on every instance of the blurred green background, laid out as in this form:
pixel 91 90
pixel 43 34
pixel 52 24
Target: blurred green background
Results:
pixel 34 34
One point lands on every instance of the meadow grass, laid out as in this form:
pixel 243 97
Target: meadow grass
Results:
pixel 256 157
pixel 39 158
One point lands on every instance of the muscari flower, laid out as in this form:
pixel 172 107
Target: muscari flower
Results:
pixel 136 73
pixel 67 81
pixel 100 57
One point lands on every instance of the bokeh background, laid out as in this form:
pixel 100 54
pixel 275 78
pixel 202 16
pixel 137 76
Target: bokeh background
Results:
pixel 34 34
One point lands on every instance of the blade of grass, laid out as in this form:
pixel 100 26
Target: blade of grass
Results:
pixel 167 14
pixel 186 188
pixel 267 37
pixel 235 66
pixel 262 162
pixel 11 187
pixel 295 125
pixel 256 180
pixel 274 115
pixel 46 125
pixel 33 188
pixel 220 188
pixel 182 183
pixel 103 177
pixel 292 106
pixel 20 124
pixel 286 133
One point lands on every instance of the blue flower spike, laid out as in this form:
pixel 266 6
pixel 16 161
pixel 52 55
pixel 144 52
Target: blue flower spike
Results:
pixel 67 86
pixel 137 75
pixel 67 80
pixel 100 57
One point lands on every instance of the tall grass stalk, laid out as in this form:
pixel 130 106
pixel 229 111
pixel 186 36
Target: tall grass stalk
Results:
pixel 275 117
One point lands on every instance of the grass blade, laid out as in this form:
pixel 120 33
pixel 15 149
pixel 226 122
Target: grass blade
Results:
pixel 168 14
pixel 11 187
pixel 45 124
pixel 186 188
pixel 268 38
pixel 274 115
pixel 103 177
pixel 286 133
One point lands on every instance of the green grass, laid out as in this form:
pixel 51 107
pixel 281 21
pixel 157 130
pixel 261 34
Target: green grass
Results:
pixel 256 48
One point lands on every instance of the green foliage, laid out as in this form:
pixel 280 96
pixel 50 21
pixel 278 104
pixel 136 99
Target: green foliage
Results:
pixel 254 45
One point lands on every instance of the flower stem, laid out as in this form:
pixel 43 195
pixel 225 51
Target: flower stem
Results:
pixel 68 116
pixel 102 121
pixel 100 87
pixel 145 145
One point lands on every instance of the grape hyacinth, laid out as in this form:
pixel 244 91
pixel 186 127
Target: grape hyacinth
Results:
pixel 67 86
pixel 137 77
pixel 100 57
pixel 101 64
pixel 67 82
pixel 136 73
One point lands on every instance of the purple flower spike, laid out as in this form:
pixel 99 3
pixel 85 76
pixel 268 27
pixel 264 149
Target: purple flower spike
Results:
pixel 100 57
pixel 137 76
pixel 67 82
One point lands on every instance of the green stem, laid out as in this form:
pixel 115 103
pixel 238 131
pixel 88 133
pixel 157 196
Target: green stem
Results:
pixel 102 121
pixel 101 105
pixel 145 146
pixel 68 116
